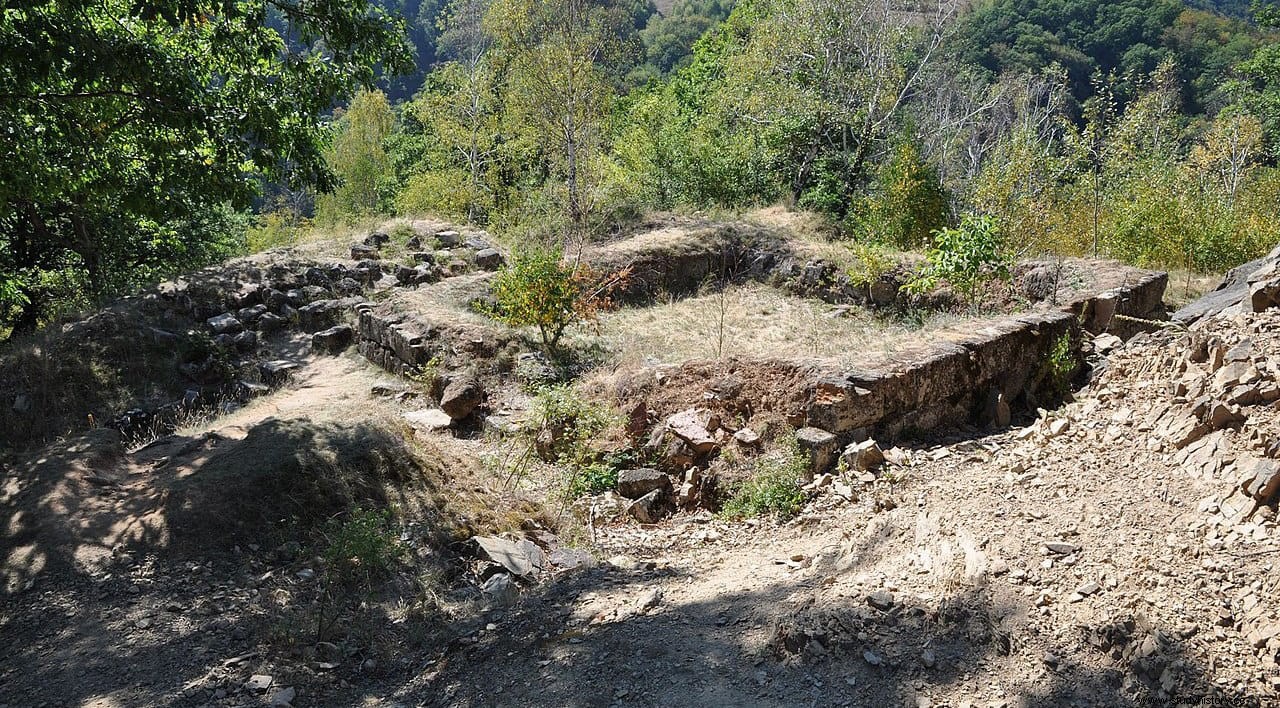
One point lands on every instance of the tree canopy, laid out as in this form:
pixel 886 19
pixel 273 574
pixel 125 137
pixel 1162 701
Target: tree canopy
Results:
pixel 129 123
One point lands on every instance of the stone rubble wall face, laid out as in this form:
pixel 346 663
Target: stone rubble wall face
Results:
pixel 945 383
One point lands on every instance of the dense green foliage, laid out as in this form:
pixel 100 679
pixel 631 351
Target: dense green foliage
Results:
pixel 1128 38
pixel 129 125
pixel 1147 131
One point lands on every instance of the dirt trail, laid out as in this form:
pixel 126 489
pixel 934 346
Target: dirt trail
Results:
pixel 1074 561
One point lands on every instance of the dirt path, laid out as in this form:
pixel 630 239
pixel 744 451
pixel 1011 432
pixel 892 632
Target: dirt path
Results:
pixel 99 623
pixel 1075 561
pixel 1078 559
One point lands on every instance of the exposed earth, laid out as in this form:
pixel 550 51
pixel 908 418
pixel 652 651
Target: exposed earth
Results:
pixel 1114 550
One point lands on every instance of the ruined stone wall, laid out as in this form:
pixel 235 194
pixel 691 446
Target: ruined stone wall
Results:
pixel 965 377
pixel 976 373
pixel 662 264
pixel 958 381
pixel 387 339
pixel 403 343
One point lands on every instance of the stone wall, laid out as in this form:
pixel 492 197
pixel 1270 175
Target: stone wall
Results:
pixel 964 375
pixel 389 340
pixel 403 342
pixel 680 262
pixel 957 381
pixel 973 374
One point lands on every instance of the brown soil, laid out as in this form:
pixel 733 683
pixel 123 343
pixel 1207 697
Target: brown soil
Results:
pixel 1159 604
pixel 1079 560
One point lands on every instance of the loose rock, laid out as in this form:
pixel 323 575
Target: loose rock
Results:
pixel 633 484
pixel 461 397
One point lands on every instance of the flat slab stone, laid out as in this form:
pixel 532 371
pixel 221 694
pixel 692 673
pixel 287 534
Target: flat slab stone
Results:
pixel 429 419
pixel 521 557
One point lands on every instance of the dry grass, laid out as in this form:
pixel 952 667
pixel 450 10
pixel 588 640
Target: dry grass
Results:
pixel 752 321
pixel 1186 287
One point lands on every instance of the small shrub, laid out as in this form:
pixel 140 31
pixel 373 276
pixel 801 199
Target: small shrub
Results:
pixel 402 233
pixel 356 553
pixel 597 477
pixel 965 257
pixel 427 375
pixel 562 421
pixel 361 549
pixel 539 289
pixel 1060 365
pixel 774 487
pixel 870 263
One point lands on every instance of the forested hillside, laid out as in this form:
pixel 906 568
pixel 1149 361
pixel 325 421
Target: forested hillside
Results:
pixel 149 138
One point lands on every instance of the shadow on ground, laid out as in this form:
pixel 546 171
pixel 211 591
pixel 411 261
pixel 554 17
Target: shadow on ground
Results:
pixel 790 643
pixel 137 579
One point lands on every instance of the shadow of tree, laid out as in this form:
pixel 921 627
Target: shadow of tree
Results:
pixel 787 644
pixel 137 578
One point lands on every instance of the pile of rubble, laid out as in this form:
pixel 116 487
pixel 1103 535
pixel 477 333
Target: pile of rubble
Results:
pixel 244 307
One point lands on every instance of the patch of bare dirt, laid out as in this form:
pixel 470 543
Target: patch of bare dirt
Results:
pixel 1083 560
pixel 171 573
pixel 1110 553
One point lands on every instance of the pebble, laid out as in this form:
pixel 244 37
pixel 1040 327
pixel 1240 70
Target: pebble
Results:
pixel 650 600
pixel 1062 548
pixel 881 600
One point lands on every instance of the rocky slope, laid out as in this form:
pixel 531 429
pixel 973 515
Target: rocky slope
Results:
pixel 1098 556
pixel 1117 550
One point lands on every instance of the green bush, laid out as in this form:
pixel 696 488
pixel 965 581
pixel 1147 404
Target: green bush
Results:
pixel 272 230
pixel 356 553
pixel 427 375
pixel 448 193
pixel 562 415
pixel 597 477
pixel 907 204
pixel 361 549
pixel 539 289
pixel 774 487
pixel 870 263
pixel 965 257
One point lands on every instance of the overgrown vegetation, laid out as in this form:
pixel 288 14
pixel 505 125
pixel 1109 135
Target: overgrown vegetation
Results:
pixel 1144 132
pixel 1141 133
pixel 598 476
pixel 774 487
pixel 564 427
pixel 135 132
